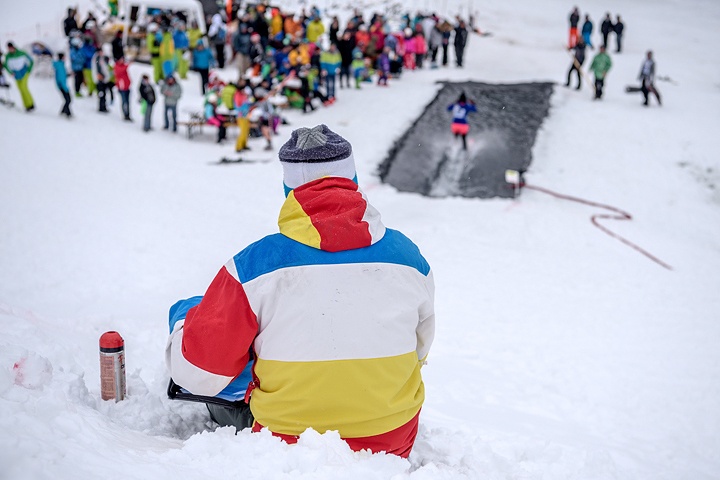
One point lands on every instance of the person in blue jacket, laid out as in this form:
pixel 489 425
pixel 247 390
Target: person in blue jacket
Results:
pixel 88 50
pixel 77 63
pixel 61 82
pixel 460 111
pixel 587 29
pixel 182 45
pixel 202 57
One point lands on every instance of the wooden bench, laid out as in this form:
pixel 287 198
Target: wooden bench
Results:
pixel 194 124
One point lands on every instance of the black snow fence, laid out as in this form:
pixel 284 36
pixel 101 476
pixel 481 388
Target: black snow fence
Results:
pixel 429 160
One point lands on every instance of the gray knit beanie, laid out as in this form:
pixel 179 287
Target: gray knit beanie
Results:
pixel 313 153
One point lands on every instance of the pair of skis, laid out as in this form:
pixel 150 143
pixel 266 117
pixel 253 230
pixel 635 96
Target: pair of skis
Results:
pixel 241 159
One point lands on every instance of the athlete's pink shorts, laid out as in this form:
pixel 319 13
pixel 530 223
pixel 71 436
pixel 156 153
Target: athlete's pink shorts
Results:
pixel 460 128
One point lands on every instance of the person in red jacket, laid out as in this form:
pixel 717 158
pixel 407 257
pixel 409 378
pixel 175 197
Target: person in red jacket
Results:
pixel 122 80
pixel 420 48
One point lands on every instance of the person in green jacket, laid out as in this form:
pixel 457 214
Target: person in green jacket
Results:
pixel 600 66
pixel 194 35
pixel 168 60
pixel 330 61
pixel 20 64
pixel 113 7
pixel 152 41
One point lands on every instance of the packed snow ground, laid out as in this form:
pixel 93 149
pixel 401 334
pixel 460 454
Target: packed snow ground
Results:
pixel 560 352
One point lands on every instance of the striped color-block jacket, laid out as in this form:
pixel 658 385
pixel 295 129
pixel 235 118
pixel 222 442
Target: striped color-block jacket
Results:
pixel 339 311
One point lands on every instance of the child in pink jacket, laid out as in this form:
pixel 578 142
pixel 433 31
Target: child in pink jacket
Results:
pixel 410 50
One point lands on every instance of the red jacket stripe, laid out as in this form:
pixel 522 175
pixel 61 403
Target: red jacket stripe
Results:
pixel 398 441
pixel 219 331
pixel 336 213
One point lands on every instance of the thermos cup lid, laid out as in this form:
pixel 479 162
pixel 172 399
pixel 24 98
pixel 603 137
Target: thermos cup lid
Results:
pixel 111 342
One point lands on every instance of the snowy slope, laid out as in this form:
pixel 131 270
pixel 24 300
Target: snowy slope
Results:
pixel 560 352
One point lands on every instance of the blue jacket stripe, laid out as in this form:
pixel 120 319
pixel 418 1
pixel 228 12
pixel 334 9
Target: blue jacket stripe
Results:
pixel 277 251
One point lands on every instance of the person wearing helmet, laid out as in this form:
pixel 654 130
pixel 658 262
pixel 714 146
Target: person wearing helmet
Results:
pixel 460 111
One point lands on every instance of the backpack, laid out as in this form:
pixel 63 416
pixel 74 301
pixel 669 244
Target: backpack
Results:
pixel 221 34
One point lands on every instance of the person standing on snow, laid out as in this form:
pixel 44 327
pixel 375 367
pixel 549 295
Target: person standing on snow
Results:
pixel 88 53
pixel 20 64
pixel 77 63
pixel 61 82
pixel 587 29
pixel 383 67
pixel 420 48
pixel 217 33
pixel 315 30
pixel 212 117
pixel 202 58
pixel 647 79
pixel 102 69
pixel 337 345
pixel 334 32
pixel 618 28
pixel 257 53
pixel 434 42
pixel 330 61
pixel 122 77
pixel 102 87
pixel 70 24
pixel 576 66
pixel 305 89
pixel 446 30
pixel 574 20
pixel 181 42
pixel 147 97
pixel 346 45
pixel 153 41
pixel 605 28
pixel 460 111
pixel 168 59
pixel 265 111
pixel 172 91
pixel 118 50
pixel 600 66
pixel 241 46
pixel 460 41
